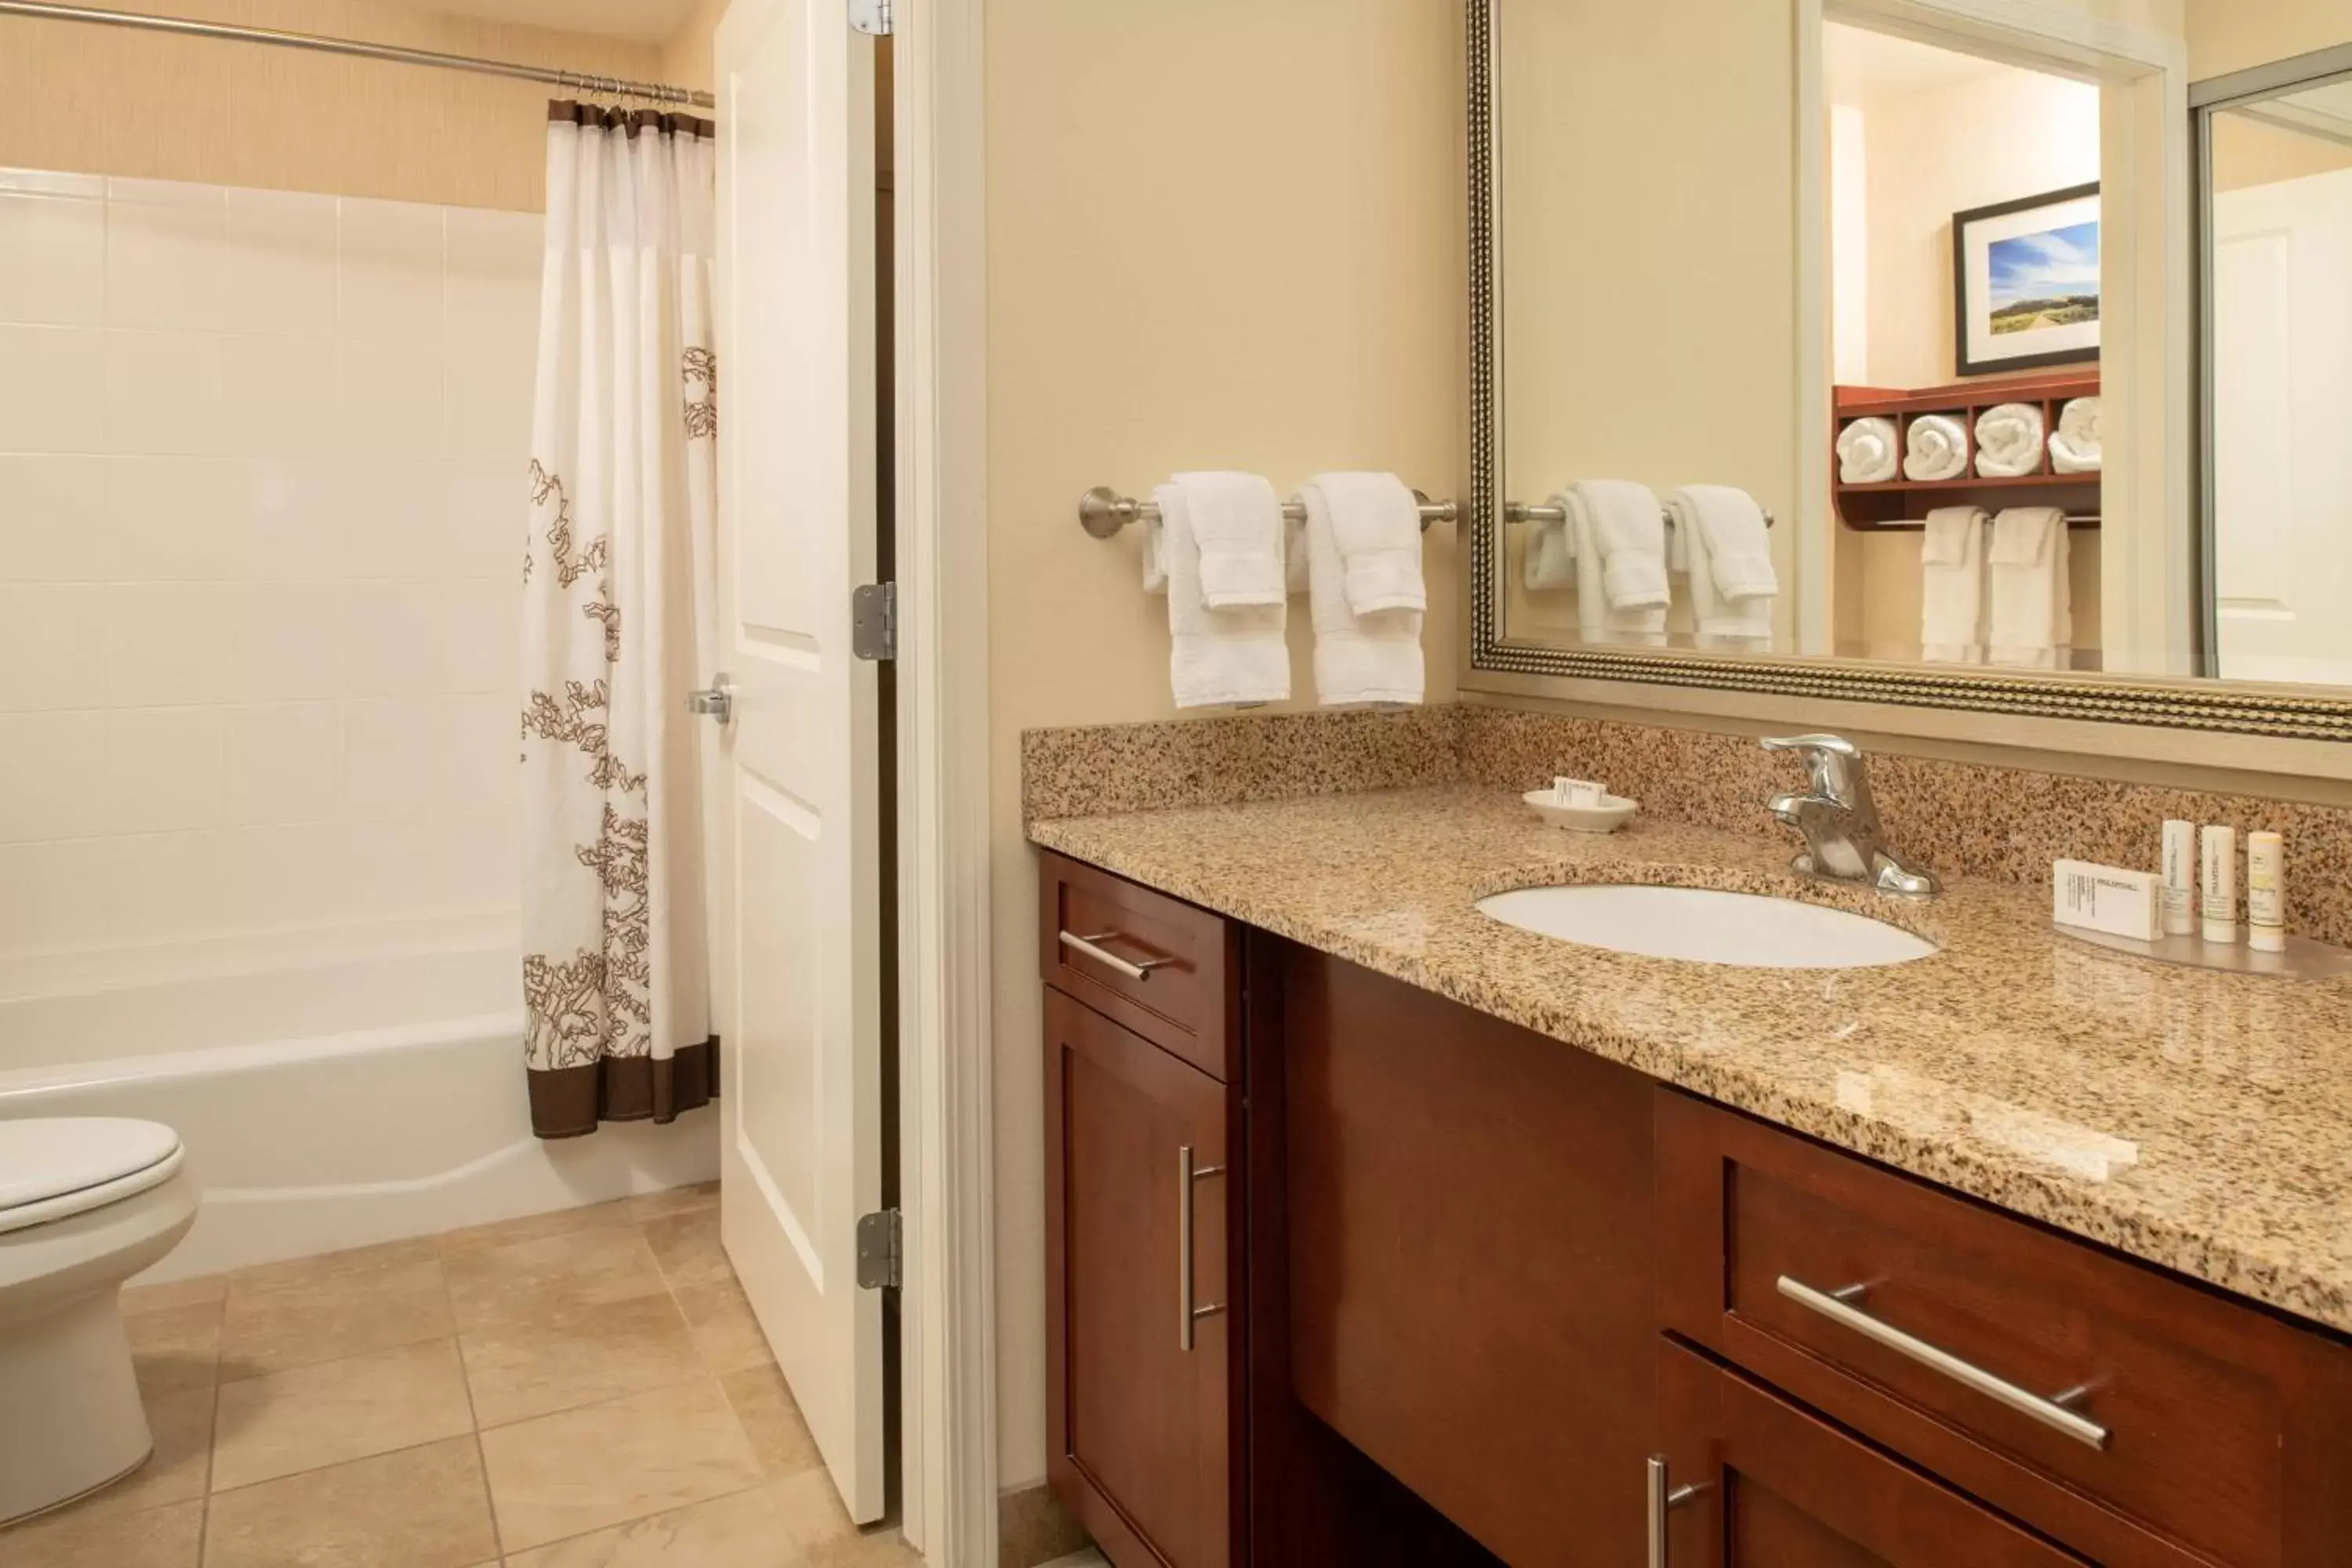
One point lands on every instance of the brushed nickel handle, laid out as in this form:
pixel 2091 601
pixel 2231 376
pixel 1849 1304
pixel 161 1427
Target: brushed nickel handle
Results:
pixel 1086 945
pixel 1661 1502
pixel 2050 1413
pixel 717 701
pixel 1188 1315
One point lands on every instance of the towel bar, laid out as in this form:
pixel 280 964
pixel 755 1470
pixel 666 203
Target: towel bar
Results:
pixel 1103 511
pixel 1521 511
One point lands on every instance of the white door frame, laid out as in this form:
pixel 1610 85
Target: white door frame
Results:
pixel 947 1175
pixel 2147 360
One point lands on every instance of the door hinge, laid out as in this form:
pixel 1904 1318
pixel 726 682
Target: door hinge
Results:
pixel 873 621
pixel 870 17
pixel 881 1250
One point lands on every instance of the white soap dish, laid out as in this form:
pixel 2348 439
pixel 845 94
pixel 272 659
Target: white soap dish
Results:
pixel 1614 812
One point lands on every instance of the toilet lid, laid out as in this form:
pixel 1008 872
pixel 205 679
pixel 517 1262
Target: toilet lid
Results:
pixel 52 1157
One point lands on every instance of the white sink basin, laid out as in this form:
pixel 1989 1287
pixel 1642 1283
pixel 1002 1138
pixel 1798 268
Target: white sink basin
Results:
pixel 1704 926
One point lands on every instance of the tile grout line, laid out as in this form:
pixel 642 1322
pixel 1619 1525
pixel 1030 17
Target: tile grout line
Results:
pixel 473 1415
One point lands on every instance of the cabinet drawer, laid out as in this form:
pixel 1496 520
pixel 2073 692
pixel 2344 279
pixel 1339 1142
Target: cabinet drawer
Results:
pixel 2108 1403
pixel 1160 967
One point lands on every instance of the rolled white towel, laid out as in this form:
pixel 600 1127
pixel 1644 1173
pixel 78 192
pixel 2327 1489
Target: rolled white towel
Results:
pixel 1867 451
pixel 1937 449
pixel 2008 441
pixel 2075 448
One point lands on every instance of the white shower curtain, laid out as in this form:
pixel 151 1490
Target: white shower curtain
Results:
pixel 618 589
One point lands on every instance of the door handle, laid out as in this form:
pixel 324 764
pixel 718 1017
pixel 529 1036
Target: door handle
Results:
pixel 1188 1315
pixel 1661 1502
pixel 715 701
pixel 2052 1413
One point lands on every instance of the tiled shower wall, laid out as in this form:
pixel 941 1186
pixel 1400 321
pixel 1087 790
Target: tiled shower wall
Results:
pixel 262 461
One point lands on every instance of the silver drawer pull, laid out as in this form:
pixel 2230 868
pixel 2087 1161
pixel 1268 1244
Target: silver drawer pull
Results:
pixel 1188 1316
pixel 1086 945
pixel 1661 1501
pixel 2050 1413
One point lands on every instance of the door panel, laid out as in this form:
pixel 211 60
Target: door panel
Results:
pixel 1141 1423
pixel 801 927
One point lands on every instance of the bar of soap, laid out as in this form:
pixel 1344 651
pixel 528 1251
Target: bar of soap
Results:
pixel 2107 898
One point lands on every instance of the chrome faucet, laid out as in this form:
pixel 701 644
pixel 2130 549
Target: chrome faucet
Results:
pixel 1844 839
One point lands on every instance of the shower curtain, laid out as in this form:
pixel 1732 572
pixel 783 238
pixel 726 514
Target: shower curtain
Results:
pixel 618 604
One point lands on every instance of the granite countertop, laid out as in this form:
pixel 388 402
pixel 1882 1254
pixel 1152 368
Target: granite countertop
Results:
pixel 2197 1120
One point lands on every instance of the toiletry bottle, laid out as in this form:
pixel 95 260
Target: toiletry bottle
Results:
pixel 2180 878
pixel 2219 888
pixel 2265 893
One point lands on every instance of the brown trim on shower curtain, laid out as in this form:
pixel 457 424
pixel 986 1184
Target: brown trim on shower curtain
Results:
pixel 597 117
pixel 568 1102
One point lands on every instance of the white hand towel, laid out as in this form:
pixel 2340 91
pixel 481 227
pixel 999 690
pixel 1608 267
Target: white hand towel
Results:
pixel 1951 573
pixel 1618 534
pixel 1549 560
pixel 1937 448
pixel 2030 615
pixel 1217 658
pixel 2008 441
pixel 1360 656
pixel 1867 451
pixel 1376 519
pixel 1721 532
pixel 1237 524
pixel 2075 448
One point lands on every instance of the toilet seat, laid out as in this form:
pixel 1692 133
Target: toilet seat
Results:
pixel 53 1168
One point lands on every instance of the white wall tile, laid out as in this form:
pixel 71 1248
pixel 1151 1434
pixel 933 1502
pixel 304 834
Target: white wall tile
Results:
pixel 52 517
pixel 162 769
pixel 52 776
pixel 50 647
pixel 164 266
pixel 165 394
pixel 392 271
pixel 52 259
pixel 54 895
pixel 165 887
pixel 282 263
pixel 392 639
pixel 393 756
pixel 161 643
pixel 484 518
pixel 177 519
pixel 166 193
pixel 52 397
pixel 396 519
pixel 401 868
pixel 54 183
pixel 391 399
pixel 485 869
pixel 301 518
pixel 481 637
pixel 282 878
pixel 483 749
pixel 281 398
pixel 282 642
pixel 282 763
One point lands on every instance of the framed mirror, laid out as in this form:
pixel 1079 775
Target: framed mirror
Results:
pixel 1861 350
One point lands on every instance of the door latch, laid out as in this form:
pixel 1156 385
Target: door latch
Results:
pixel 718 701
pixel 873 621
pixel 881 1250
pixel 871 17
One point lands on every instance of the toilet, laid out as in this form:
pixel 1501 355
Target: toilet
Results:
pixel 85 1203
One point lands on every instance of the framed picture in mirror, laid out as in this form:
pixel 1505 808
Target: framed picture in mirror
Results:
pixel 2025 282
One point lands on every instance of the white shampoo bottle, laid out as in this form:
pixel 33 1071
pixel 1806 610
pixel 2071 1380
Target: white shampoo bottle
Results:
pixel 2219 885
pixel 2265 893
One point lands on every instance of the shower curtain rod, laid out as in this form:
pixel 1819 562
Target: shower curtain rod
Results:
pixel 577 81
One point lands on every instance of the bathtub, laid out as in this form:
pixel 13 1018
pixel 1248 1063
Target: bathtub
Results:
pixel 330 1093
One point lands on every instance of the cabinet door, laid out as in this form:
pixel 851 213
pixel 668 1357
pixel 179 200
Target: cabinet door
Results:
pixel 1772 1487
pixel 1142 1303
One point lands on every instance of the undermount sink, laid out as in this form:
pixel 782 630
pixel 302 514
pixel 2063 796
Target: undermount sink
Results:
pixel 1704 925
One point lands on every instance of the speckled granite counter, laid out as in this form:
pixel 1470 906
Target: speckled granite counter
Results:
pixel 2199 1120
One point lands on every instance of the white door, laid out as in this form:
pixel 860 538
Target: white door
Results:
pixel 799 929
pixel 2282 403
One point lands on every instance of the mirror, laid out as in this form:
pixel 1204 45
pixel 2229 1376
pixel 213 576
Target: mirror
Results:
pixel 1848 354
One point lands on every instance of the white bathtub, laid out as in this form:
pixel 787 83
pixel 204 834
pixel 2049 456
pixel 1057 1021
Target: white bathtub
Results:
pixel 330 1093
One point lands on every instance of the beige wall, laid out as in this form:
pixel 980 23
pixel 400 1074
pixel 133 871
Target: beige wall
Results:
pixel 2225 36
pixel 1220 234
pixel 685 57
pixel 2252 152
pixel 95 100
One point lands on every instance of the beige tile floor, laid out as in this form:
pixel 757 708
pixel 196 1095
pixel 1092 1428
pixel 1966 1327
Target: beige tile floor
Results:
pixel 577 1390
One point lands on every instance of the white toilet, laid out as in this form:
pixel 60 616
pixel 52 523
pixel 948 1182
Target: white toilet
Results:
pixel 85 1203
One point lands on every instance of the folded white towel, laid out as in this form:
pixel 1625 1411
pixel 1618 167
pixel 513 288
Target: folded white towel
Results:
pixel 2075 448
pixel 2008 441
pixel 1722 536
pixel 1549 558
pixel 2029 618
pixel 1218 658
pixel 1360 656
pixel 1376 519
pixel 1618 534
pixel 1867 451
pixel 1951 584
pixel 1937 449
pixel 1237 522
